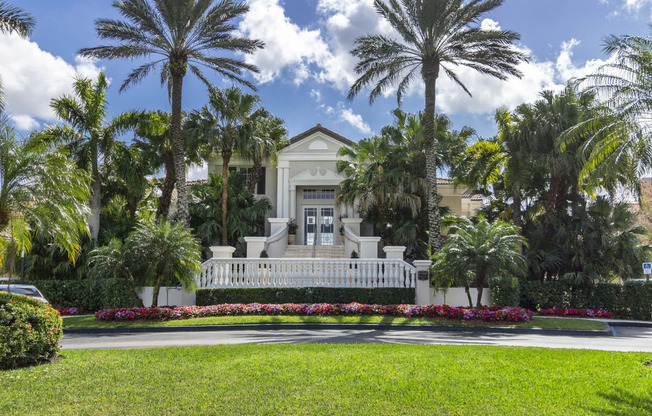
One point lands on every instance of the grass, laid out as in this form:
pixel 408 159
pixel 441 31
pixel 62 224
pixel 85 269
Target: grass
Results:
pixel 326 379
pixel 541 323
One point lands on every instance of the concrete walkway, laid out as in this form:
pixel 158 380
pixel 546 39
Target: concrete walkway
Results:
pixel 623 338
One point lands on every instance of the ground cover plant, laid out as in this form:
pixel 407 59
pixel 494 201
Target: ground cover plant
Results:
pixel 486 314
pixel 326 379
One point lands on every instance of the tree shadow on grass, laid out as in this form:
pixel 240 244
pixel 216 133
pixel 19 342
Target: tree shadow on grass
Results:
pixel 625 403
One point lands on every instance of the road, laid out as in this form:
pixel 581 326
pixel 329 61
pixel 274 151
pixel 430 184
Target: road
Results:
pixel 626 339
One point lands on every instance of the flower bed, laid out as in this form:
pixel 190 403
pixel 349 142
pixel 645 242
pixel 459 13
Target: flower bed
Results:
pixel 70 311
pixel 581 313
pixel 487 314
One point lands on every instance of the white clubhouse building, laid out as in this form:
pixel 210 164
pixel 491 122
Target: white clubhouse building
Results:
pixel 302 185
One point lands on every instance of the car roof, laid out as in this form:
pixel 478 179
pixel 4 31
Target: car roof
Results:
pixel 19 286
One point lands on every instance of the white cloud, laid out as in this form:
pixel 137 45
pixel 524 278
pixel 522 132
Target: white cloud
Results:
pixel 346 114
pixel 316 94
pixel 324 54
pixel 197 172
pixel 32 77
pixel 286 44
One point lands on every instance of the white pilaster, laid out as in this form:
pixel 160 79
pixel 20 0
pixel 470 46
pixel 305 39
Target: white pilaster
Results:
pixel 394 252
pixel 222 252
pixel 293 202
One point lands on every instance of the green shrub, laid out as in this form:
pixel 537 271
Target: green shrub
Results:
pixel 380 296
pixel 88 294
pixel 30 331
pixel 504 290
pixel 632 300
pixel 637 297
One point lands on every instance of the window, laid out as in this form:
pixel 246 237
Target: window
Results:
pixel 247 174
pixel 319 194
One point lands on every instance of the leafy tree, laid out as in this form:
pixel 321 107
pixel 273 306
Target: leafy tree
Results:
pixel 228 124
pixel 246 215
pixel 436 35
pixel 14 20
pixel 40 190
pixel 474 252
pixel 179 35
pixel 89 134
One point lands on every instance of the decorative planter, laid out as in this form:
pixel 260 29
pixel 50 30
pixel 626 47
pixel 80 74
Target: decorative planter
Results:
pixel 291 238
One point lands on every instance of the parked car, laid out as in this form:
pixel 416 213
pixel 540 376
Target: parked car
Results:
pixel 27 290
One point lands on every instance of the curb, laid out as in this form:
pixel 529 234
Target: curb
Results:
pixel 370 327
pixel 635 324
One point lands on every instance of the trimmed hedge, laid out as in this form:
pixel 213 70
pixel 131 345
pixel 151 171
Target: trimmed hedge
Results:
pixel 88 294
pixel 30 331
pixel 632 300
pixel 379 296
pixel 504 290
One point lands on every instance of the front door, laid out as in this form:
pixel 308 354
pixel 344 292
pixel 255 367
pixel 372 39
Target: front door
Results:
pixel 319 226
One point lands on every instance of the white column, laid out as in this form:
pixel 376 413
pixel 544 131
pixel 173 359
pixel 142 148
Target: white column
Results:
pixel 255 246
pixel 394 252
pixel 222 252
pixel 369 247
pixel 353 224
pixel 423 290
pixel 279 191
pixel 293 202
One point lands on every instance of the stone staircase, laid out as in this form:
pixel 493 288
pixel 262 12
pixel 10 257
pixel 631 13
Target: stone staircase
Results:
pixel 321 252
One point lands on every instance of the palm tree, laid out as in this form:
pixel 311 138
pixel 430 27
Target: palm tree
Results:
pixel 89 134
pixel 228 121
pixel 475 252
pixel 14 20
pixel 180 35
pixel 269 136
pixel 165 252
pixel 623 127
pixel 154 138
pixel 436 36
pixel 40 190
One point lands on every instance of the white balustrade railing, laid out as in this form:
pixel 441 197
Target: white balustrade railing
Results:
pixel 277 243
pixel 351 241
pixel 362 273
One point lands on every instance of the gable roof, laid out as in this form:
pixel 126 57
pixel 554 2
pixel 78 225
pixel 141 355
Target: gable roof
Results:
pixel 323 130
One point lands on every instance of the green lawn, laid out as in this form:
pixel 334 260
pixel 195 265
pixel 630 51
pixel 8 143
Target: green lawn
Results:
pixel 543 323
pixel 325 379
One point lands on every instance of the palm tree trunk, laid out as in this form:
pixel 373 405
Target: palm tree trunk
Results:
pixel 178 151
pixel 168 186
pixel 480 282
pixel 96 195
pixel 226 158
pixel 155 292
pixel 516 210
pixel 467 289
pixel 430 73
pixel 255 175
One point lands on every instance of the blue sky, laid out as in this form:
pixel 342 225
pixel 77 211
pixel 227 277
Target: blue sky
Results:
pixel 306 69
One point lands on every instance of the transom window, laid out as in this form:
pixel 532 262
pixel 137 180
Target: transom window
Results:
pixel 319 194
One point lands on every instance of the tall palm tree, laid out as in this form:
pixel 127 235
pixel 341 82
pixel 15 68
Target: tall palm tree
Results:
pixel 179 35
pixel 14 20
pixel 436 36
pixel 89 134
pixel 475 252
pixel 269 136
pixel 40 189
pixel 228 121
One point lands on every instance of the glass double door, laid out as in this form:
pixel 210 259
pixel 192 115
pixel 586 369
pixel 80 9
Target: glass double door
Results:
pixel 319 226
